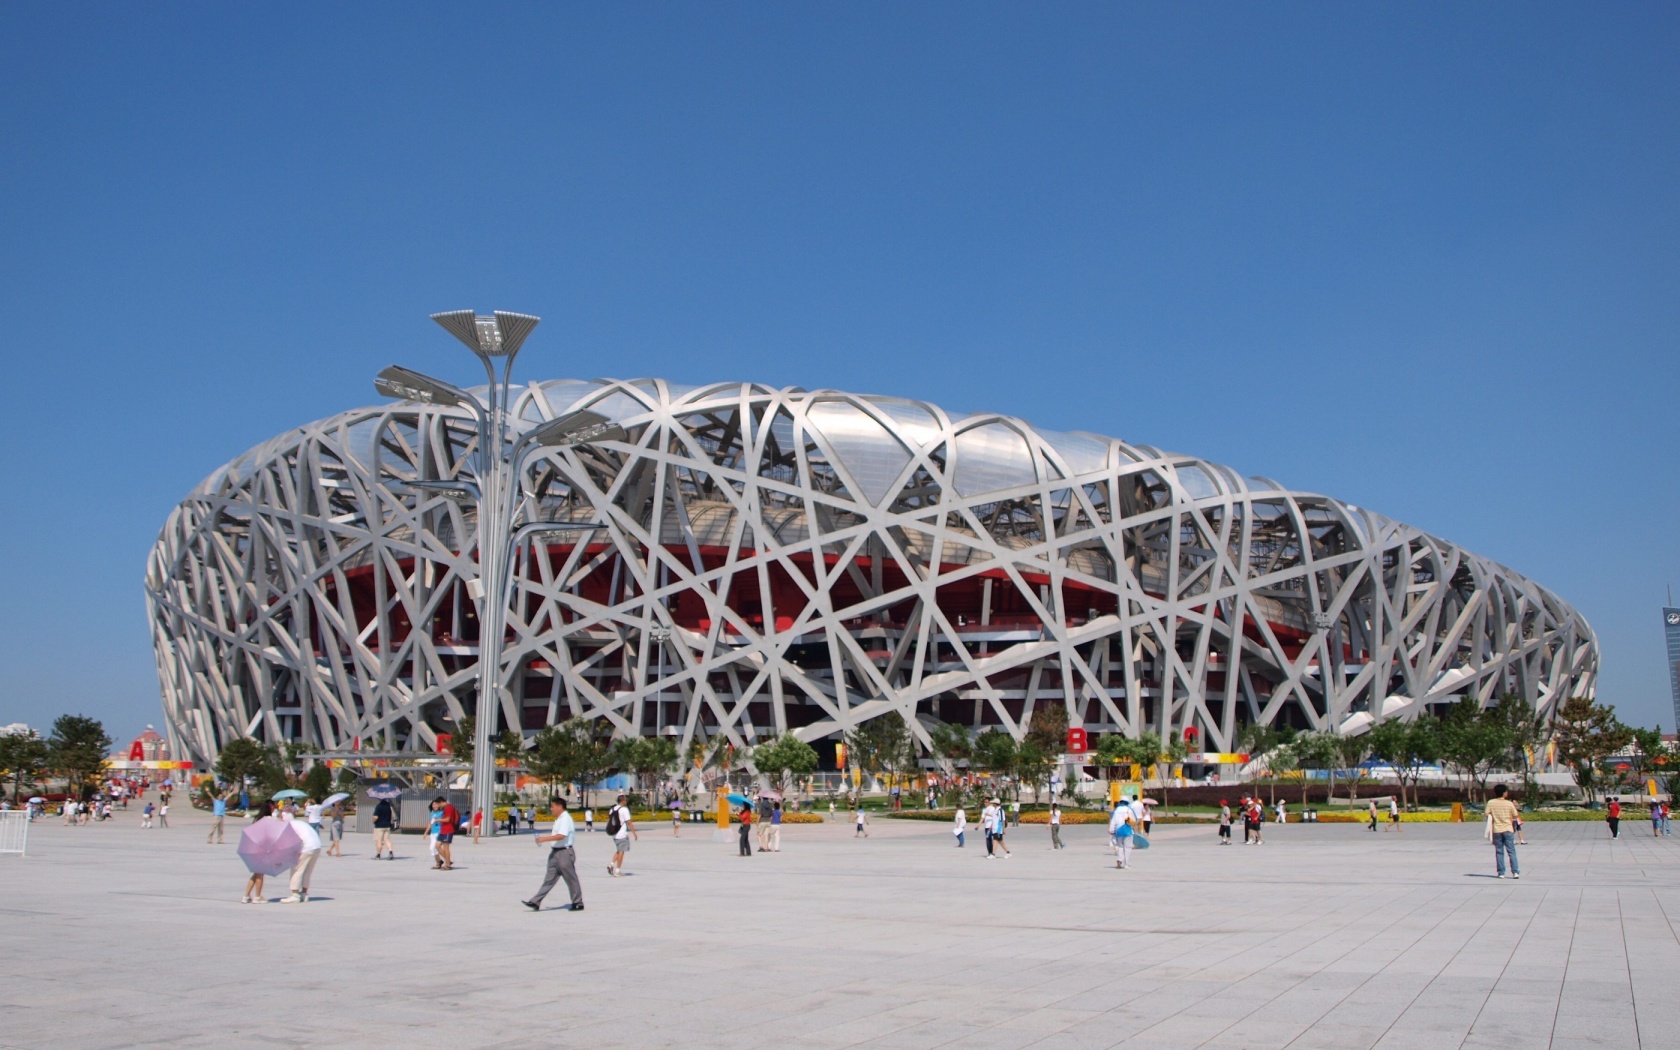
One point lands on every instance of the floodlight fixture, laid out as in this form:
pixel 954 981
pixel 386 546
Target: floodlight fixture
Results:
pixel 409 385
pixel 574 428
pixel 459 491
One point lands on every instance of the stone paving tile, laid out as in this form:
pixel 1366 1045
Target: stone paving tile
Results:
pixel 1319 939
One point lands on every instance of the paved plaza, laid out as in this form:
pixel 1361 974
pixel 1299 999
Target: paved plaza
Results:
pixel 1328 936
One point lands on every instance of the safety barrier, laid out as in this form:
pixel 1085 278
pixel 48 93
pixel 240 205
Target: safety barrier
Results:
pixel 14 831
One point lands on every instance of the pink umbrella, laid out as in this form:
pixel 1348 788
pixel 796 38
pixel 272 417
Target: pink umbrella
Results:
pixel 269 847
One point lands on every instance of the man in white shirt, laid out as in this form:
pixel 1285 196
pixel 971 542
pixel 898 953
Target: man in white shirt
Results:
pixel 305 866
pixel 621 833
pixel 562 859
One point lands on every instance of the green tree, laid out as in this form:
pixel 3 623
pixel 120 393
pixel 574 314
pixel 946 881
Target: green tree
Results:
pixel 994 752
pixel 1281 761
pixel 1474 741
pixel 1033 767
pixel 550 757
pixel 950 744
pixel 511 746
pixel 1175 751
pixel 882 747
pixel 317 783
pixel 1647 748
pixel 1526 730
pixel 783 759
pixel 462 740
pixel 1316 751
pixel 578 751
pixel 1408 747
pixel 77 751
pixel 1586 734
pixel 1048 727
pixel 23 760
pixel 650 758
pixel 241 757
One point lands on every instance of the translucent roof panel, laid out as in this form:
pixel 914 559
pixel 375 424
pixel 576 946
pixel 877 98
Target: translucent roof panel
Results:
pixel 1197 483
pixel 915 423
pixel 866 451
pixel 991 458
pixel 1083 453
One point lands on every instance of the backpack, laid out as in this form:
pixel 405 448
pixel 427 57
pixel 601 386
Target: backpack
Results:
pixel 613 823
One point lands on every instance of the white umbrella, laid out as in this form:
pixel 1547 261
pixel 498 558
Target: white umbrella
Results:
pixel 335 798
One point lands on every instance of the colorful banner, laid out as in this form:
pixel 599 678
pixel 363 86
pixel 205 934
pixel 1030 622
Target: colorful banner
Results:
pixel 120 764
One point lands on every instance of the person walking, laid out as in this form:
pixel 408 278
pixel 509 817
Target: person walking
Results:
pixel 1258 816
pixel 1394 814
pixel 1665 817
pixel 862 821
pixel 988 814
pixel 562 858
pixel 1120 833
pixel 335 830
pixel 477 825
pixel 1613 817
pixel 1055 826
pixel 163 815
pixel 1282 814
pixel 449 819
pixel 761 831
pixel 622 829
pixel 1147 816
pixel 1371 817
pixel 1001 825
pixel 1015 812
pixel 1501 815
pixel 145 814
pixel 384 816
pixel 775 827
pixel 434 821
pixel 1224 823
pixel 588 819
pixel 1248 827
pixel 959 826
pixel 746 822
pixel 676 818
pixel 218 815
pixel 304 868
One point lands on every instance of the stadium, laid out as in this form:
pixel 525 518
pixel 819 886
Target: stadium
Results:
pixel 765 561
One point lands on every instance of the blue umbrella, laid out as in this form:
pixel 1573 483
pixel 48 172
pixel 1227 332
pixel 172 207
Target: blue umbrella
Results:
pixel 289 793
pixel 739 800
pixel 385 791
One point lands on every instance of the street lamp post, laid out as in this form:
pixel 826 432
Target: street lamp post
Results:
pixel 496 492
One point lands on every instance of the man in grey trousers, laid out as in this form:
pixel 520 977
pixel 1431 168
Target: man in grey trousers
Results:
pixel 562 859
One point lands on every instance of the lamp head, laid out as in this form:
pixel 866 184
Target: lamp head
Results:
pixel 409 385
pixel 575 428
pixel 499 335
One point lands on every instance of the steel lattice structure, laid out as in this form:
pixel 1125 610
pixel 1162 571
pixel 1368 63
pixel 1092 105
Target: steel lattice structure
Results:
pixel 800 561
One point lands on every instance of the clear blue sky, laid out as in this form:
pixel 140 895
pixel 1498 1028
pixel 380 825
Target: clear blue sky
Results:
pixel 1424 258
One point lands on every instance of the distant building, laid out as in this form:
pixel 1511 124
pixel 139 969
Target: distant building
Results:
pixel 17 729
pixel 149 746
pixel 1671 633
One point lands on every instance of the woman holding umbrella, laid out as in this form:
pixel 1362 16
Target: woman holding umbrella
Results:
pixel 334 805
pixel 254 884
